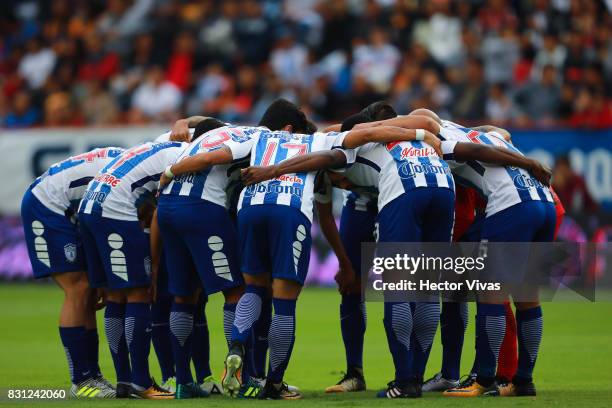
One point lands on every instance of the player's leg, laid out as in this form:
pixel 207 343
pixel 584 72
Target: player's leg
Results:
pixel 355 227
pixel 91 335
pixel 290 243
pixel 400 221
pixel 508 353
pixel 529 318
pixel 437 222
pixel 183 284
pixel 200 348
pixel 258 345
pixel 160 337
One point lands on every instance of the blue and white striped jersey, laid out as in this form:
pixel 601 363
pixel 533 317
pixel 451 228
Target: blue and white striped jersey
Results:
pixel 118 188
pixel 268 148
pixel 504 186
pixel 62 186
pixel 401 167
pixel 212 183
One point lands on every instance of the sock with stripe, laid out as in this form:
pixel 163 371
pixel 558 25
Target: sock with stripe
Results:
pixel 425 318
pixel 160 336
pixel 398 327
pixel 75 345
pixel 259 342
pixel 529 324
pixel 138 336
pixel 200 347
pixel 181 328
pixel 229 315
pixel 93 351
pixel 114 327
pixel 508 354
pixel 281 338
pixel 453 322
pixel 490 328
pixel 353 327
pixel 247 313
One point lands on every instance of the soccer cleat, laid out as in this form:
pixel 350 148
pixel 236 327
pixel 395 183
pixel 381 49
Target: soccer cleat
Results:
pixel 472 389
pixel 252 388
pixel 91 388
pixel 124 390
pixel 154 392
pixel 232 374
pixel 404 389
pixel 187 391
pixel 352 381
pixel 104 382
pixel 517 390
pixel 437 383
pixel 278 392
pixel 211 385
pixel 169 384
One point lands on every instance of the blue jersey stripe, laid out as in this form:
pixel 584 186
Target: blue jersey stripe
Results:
pixel 145 180
pixel 271 195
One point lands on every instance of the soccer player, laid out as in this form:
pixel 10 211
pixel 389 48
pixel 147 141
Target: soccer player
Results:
pixel 55 250
pixel 118 252
pixel 519 209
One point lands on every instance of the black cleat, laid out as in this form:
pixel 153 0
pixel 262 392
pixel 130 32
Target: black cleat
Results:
pixel 403 389
pixel 278 392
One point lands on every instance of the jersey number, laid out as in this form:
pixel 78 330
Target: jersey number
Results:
pixel 293 149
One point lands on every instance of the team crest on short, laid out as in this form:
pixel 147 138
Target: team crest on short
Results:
pixel 70 251
pixel 147 266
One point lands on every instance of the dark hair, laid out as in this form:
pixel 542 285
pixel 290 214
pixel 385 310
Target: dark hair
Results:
pixel 311 128
pixel 353 120
pixel 379 110
pixel 207 125
pixel 281 113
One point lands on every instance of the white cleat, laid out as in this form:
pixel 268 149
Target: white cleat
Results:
pixel 437 383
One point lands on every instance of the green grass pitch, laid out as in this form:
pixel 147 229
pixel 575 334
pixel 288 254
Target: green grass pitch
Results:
pixel 574 368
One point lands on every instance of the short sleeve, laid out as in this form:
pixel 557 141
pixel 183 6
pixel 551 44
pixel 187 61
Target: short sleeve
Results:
pixel 241 147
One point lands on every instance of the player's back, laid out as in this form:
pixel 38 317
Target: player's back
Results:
pixel 211 184
pixel 400 167
pixel 118 188
pixel 294 189
pixel 62 186
pixel 504 186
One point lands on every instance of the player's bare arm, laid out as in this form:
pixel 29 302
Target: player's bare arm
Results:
pixel 180 129
pixel 387 134
pixel 407 122
pixel 503 157
pixel 346 275
pixel 196 163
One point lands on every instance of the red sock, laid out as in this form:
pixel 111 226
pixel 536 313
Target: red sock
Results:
pixel 508 354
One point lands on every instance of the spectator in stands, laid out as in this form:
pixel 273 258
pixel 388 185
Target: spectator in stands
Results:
pixel 538 101
pixel 36 65
pixel 571 187
pixel 156 99
pixel 98 105
pixel 22 113
pixel 376 61
pixel 471 94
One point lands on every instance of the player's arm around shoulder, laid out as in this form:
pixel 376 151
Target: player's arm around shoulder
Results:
pixel 195 163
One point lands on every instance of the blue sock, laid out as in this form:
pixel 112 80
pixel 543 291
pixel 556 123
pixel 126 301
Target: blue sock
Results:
pixel 138 336
pixel 200 347
pixel 114 327
pixel 229 315
pixel 160 336
pixel 259 342
pixel 398 326
pixel 529 325
pixel 93 350
pixel 181 327
pixel 490 328
pixel 353 326
pixel 281 338
pixel 76 348
pixel 453 322
pixel 424 325
pixel 247 313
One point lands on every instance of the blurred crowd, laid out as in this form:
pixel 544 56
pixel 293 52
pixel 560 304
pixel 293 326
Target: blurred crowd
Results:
pixel 102 62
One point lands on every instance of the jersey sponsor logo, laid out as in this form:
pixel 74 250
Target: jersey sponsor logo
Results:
pixel 290 179
pixel 97 196
pixel 525 182
pixel 185 178
pixel 108 179
pixel 273 189
pixel 410 170
pixel 412 151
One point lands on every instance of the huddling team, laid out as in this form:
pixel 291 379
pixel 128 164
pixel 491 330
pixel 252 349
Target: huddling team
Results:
pixel 151 231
